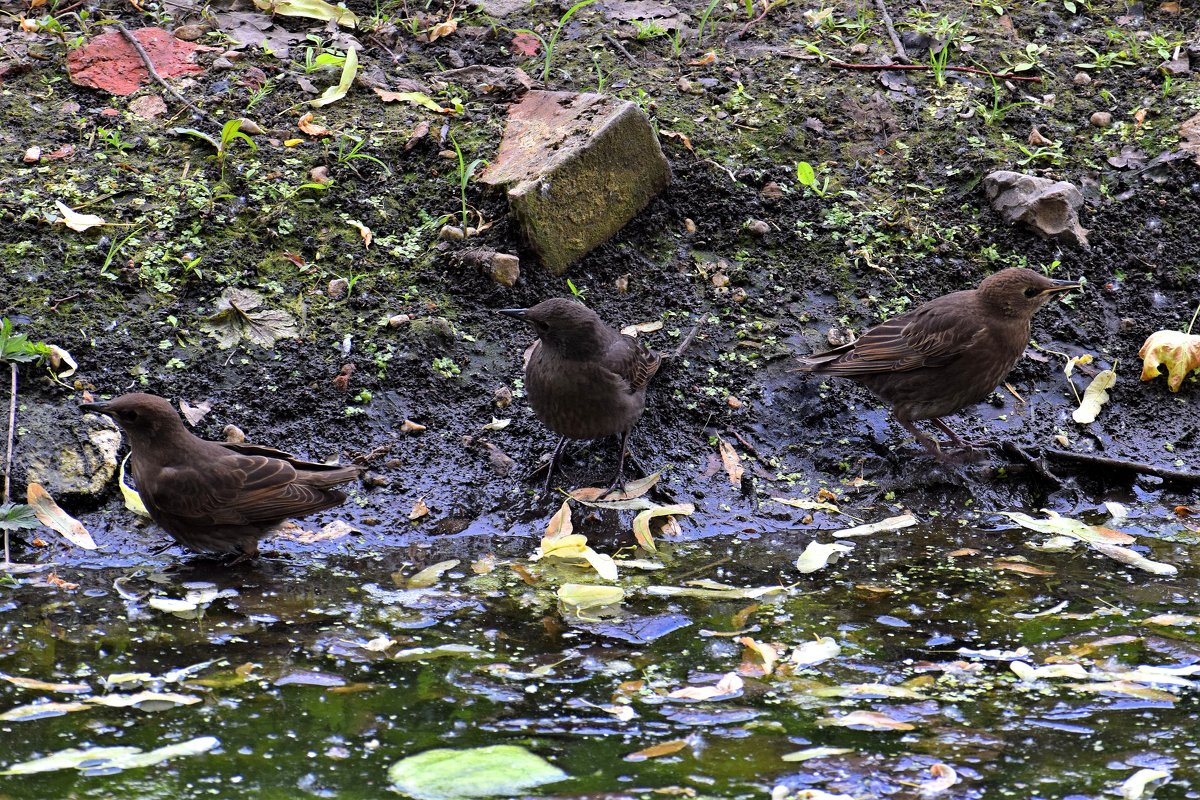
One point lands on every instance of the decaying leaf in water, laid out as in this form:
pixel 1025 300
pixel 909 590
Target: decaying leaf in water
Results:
pixel 76 221
pixel 890 524
pixel 41 711
pixel 584 596
pixel 419 510
pixel 711 590
pixel 641 523
pixel 574 547
pixel 812 653
pixel 868 690
pixel 818 555
pixel 730 685
pixel 112 759
pixel 807 505
pixel 1124 689
pixel 1028 672
pixel 1024 569
pixel 1065 526
pixel 1094 397
pixel 657 750
pixel 133 500
pixel 601 496
pixel 1135 559
pixel 1134 787
pixel 759 658
pixel 431 574
pixel 1181 620
pixel 1177 351
pixel 731 461
pixel 145 701
pixel 816 752
pixel 43 686
pixel 52 516
pixel 944 777
pixel 236 319
pixel 873 720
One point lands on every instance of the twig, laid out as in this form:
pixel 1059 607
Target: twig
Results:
pixel 686 343
pixel 8 455
pixel 621 48
pixel 1038 465
pixel 141 51
pixel 891 29
pixel 972 70
pixel 767 6
pixel 1138 467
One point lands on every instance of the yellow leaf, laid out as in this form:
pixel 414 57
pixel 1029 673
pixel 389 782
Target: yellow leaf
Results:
pixel 76 221
pixel 1178 352
pixel 560 525
pixel 654 751
pixel 443 29
pixel 760 658
pixel 583 596
pixel 866 719
pixel 641 523
pixel 731 461
pixel 312 9
pixel 1094 397
pixel 416 98
pixel 292 142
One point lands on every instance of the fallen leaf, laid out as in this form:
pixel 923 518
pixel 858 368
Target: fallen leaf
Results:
pixel 194 413
pixel 711 590
pixel 731 461
pixel 1189 134
pixel 41 711
pixel 307 125
pixel 419 510
pixel 42 686
pixel 633 490
pixel 583 596
pixel 52 516
pixel 683 139
pixel 1135 559
pixel 349 70
pixel 944 777
pixel 1180 620
pixel 1065 526
pixel 1024 569
pixel 145 701
pixel 868 690
pixel 236 319
pixel 730 685
pixel 884 525
pixel 807 505
pixel 641 523
pixel 874 720
pixel 654 751
pixel 416 98
pixel 560 524
pixel 812 653
pixel 76 221
pixel 443 29
pixel 1028 672
pixel 1134 787
pixel 817 555
pixel 431 574
pixel 1124 689
pixel 573 547
pixel 642 327
pixel 708 58
pixel 112 759
pixel 1179 352
pixel 311 9
pixel 815 752
pixel 759 658
pixel 1094 397
pixel 363 231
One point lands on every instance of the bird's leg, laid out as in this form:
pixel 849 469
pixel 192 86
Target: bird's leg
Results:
pixel 554 459
pixel 619 479
pixel 954 437
pixel 928 442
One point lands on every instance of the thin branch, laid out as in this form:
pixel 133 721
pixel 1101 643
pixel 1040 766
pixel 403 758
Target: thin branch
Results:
pixel 621 48
pixel 891 29
pixel 1123 465
pixel 8 455
pixel 972 70
pixel 149 64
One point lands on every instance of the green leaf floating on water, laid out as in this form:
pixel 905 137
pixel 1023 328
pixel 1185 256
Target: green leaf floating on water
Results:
pixel 502 770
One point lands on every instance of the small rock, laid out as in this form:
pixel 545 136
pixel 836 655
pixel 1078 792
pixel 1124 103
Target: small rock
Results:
pixel 772 191
pixel 733 402
pixel 338 287
pixel 409 427
pixel 1049 207
pixel 758 227
pixel 1128 324
pixel 684 85
pixel 449 155
pixel 32 155
pixel 504 269
pixel 1081 79
pixel 451 233
pixel 221 63
pixel 621 284
pixel 1176 66
pixel 190 33
pixel 839 336
pixel 398 320
pixel 148 106
pixel 432 328
pixel 233 55
pixel 71 454
pixel 1037 139
pixel 1101 119
pixel 502 397
pixel 689 226
pixel 859 49
pixel 233 434
pixel 720 280
pixel 738 295
pixel 319 175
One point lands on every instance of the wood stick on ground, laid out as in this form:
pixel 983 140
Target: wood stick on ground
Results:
pixel 1123 465
pixel 891 29
pixel 924 67
pixel 141 51
pixel 620 48
pixel 686 343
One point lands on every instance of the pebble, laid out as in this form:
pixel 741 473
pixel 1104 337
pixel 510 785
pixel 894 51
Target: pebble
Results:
pixel 1101 119
pixel 733 402
pixel 771 191
pixel 319 175
pixel 684 85
pixel 249 126
pixel 689 225
pixel 451 233
pixel 859 49
pixel 32 155
pixel 1082 79
pixel 396 320
pixel 504 269
pixel 758 227
pixel 189 33
pixel 621 284
pixel 502 397
pixel 338 287
pixel 233 433
pixel 222 63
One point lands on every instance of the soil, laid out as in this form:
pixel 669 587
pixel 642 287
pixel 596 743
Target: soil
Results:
pixel 903 219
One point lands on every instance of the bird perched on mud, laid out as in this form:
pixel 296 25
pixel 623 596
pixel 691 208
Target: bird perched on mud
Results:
pixel 946 354
pixel 217 497
pixel 584 380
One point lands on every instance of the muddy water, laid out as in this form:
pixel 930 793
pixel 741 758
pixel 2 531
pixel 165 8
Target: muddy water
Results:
pixel 319 666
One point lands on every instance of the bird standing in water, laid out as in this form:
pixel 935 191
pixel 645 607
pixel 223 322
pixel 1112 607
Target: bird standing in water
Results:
pixel 946 354
pixel 584 379
pixel 217 497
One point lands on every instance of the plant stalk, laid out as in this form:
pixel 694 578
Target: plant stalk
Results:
pixel 8 455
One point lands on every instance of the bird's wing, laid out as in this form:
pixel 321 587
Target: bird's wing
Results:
pixel 929 336
pixel 245 490
pixel 633 362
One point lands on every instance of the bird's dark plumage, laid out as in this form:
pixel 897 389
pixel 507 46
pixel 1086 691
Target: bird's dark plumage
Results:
pixel 217 497
pixel 584 379
pixel 946 354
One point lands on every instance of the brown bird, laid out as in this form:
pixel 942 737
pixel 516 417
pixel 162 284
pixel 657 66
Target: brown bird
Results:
pixel 216 497
pixel 584 380
pixel 946 354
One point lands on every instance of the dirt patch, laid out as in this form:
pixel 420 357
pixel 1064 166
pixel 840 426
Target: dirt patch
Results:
pixel 902 219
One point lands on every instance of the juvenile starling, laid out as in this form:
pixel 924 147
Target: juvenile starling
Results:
pixel 584 379
pixel 216 497
pixel 946 354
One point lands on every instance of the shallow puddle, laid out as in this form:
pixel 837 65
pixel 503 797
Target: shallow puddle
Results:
pixel 316 669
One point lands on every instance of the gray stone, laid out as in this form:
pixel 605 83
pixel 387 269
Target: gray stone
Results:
pixel 577 167
pixel 1101 119
pixel 502 8
pixel 66 452
pixel 1049 207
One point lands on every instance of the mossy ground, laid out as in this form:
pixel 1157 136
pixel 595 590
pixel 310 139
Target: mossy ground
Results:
pixel 902 219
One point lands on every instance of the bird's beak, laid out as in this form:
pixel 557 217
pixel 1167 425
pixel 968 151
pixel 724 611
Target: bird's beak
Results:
pixel 95 408
pixel 1060 287
pixel 519 313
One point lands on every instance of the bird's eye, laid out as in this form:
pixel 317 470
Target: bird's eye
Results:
pixel 541 326
pixel 130 415
pixel 1032 291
